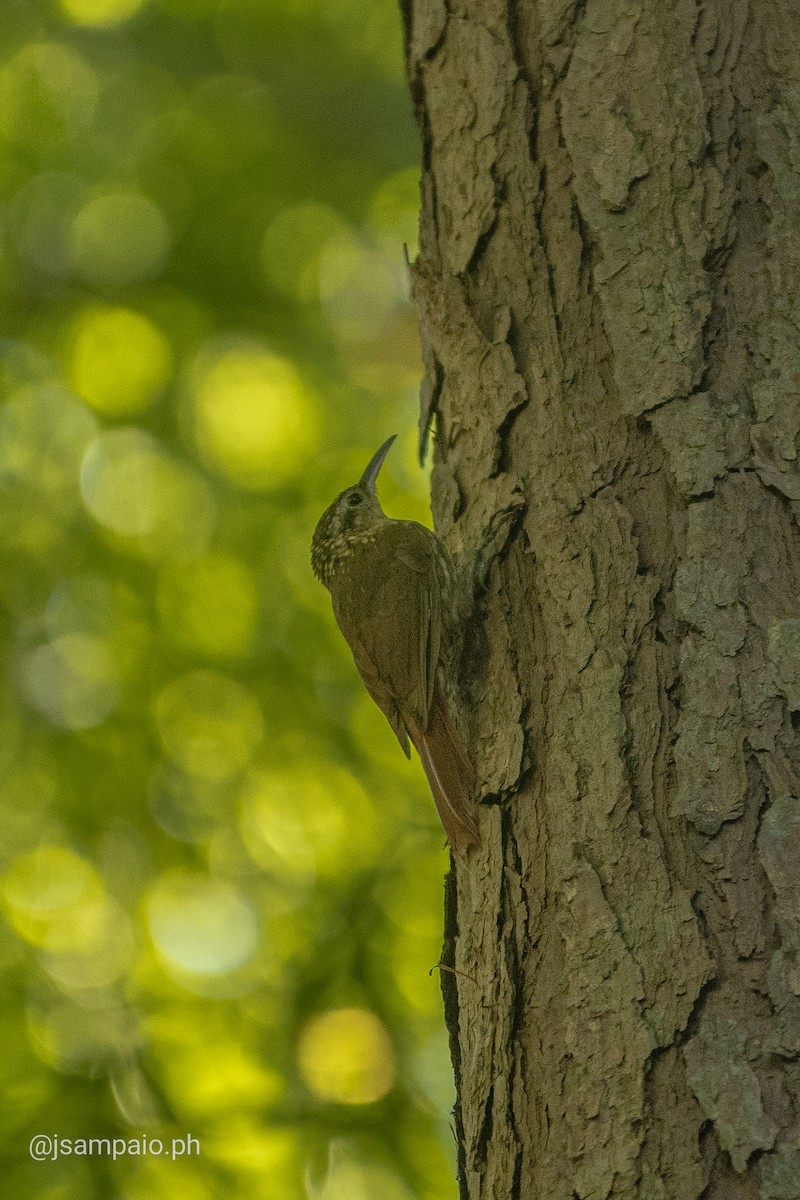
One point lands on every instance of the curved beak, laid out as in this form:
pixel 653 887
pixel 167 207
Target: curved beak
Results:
pixel 375 463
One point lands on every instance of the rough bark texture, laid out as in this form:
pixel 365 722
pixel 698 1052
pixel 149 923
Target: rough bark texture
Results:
pixel 608 284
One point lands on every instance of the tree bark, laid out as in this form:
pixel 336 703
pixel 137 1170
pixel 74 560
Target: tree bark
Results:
pixel 607 286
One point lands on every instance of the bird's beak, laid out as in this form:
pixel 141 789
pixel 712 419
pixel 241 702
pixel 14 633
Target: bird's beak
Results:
pixel 374 465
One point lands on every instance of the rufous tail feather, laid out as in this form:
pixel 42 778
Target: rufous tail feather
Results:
pixel 449 775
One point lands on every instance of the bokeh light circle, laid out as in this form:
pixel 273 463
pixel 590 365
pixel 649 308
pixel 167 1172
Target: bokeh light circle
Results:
pixel 297 821
pixel 254 419
pixel 118 238
pixel 48 93
pixel 135 489
pixel 362 290
pixel 72 681
pixel 200 924
pixel 119 361
pixel 44 434
pixel 55 899
pixel 345 1055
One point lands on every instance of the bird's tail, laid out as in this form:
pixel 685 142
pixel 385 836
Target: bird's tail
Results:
pixel 449 773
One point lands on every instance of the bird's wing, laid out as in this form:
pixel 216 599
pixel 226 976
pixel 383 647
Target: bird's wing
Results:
pixel 374 683
pixel 388 606
pixel 418 556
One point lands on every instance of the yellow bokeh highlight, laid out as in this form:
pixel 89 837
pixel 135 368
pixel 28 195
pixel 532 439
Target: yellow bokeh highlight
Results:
pixel 254 418
pixel 229 1075
pixel 210 725
pixel 267 1155
pixel 54 899
pixel 346 1056
pixel 162 1178
pixel 201 925
pixel 210 605
pixel 138 491
pixel 100 12
pixel 300 822
pixel 226 1077
pixel 119 361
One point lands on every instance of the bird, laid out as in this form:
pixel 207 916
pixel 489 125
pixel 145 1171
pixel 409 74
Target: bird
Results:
pixel 391 587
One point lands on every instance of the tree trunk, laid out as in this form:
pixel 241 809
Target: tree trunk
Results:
pixel 607 283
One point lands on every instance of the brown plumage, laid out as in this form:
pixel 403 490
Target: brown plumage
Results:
pixel 387 580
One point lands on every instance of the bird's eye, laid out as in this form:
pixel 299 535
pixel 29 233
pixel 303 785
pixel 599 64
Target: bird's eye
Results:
pixel 354 498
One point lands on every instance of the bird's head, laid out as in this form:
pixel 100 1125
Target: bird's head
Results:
pixel 351 520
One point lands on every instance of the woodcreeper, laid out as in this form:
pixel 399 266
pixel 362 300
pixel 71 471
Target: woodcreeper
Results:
pixel 391 586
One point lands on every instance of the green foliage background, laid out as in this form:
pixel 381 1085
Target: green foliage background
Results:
pixel 221 882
